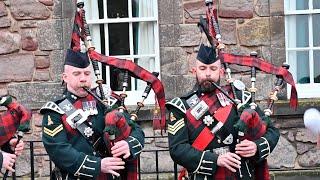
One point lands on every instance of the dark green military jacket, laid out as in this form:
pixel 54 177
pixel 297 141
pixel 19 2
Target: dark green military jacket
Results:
pixel 203 164
pixel 70 151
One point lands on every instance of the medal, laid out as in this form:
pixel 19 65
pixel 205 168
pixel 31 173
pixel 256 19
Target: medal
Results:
pixel 88 132
pixel 90 107
pixel 208 120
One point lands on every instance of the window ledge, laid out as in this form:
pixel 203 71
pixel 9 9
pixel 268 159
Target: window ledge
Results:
pixel 145 113
pixel 282 108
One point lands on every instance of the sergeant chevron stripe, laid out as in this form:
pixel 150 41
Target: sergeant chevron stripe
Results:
pixel 54 131
pixel 173 129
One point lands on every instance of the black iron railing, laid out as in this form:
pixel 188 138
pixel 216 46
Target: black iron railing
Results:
pixel 33 155
pixel 34 146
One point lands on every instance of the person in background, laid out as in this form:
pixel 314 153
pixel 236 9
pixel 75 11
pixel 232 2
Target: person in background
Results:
pixel 15 115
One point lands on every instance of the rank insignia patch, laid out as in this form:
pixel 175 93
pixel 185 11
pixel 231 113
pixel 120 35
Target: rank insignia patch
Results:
pixel 53 132
pixel 50 122
pixel 173 129
pixel 172 117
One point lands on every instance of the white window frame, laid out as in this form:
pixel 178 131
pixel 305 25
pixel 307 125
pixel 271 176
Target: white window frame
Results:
pixel 309 90
pixel 91 7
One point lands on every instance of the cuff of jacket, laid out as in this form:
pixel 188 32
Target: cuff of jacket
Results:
pixel 135 147
pixel 263 149
pixel 89 168
pixel 207 164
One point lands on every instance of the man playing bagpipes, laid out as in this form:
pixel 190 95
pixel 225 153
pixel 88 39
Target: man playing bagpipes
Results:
pixel 220 132
pixel 74 125
pixel 89 134
pixel 202 137
pixel 15 118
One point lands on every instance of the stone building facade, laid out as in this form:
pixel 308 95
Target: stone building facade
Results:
pixel 34 35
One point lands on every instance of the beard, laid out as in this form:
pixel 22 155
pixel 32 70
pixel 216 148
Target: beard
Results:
pixel 206 86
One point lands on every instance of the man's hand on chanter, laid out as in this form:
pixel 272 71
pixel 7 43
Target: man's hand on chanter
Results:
pixel 246 148
pixel 17 148
pixel 121 148
pixel 230 161
pixel 8 160
pixel 111 165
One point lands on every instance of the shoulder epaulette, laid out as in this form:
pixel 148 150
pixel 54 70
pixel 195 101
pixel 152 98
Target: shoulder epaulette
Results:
pixel 52 107
pixel 177 103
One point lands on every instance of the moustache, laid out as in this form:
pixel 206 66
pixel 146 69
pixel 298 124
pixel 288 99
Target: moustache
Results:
pixel 84 86
pixel 206 82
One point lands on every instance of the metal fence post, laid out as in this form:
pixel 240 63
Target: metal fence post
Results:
pixel 32 160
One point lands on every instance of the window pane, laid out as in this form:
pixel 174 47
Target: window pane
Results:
pixel 316 4
pixel 298 31
pixel 117 8
pixel 143 38
pixel 316 27
pixel 316 66
pixel 298 4
pixel 299 61
pixel 149 64
pixel 119 39
pixel 143 8
pixel 117 79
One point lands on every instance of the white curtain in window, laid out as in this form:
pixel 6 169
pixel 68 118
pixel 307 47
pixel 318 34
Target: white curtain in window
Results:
pixel 145 37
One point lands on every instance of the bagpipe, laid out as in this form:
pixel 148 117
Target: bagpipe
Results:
pixel 251 125
pixel 81 32
pixel 117 126
pixel 15 121
pixel 119 122
pixel 210 27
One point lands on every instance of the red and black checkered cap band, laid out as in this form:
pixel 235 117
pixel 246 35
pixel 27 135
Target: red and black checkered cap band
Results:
pixel 137 72
pixel 265 67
